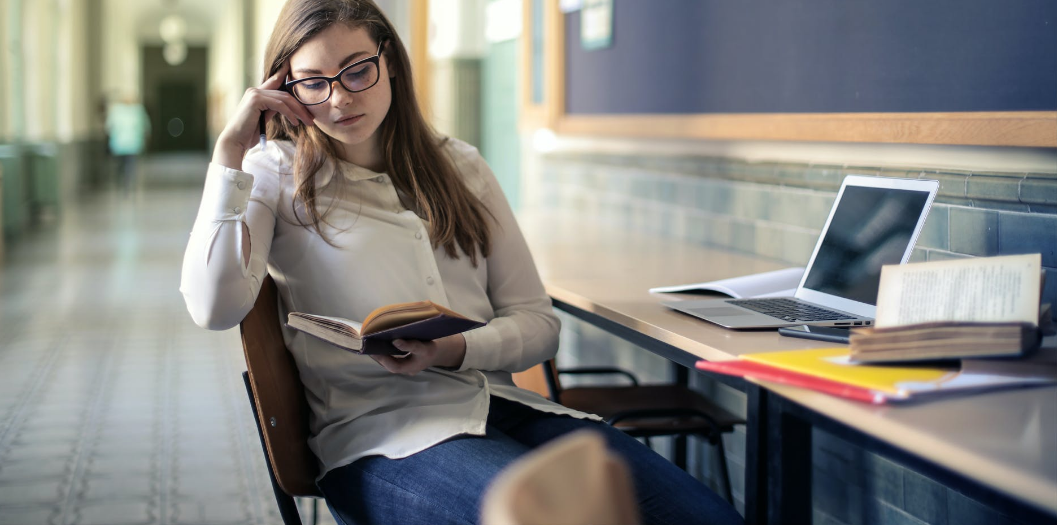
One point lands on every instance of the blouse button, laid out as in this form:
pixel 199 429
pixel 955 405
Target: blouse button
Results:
pixel 240 185
pixel 236 210
pixel 418 235
pixel 429 281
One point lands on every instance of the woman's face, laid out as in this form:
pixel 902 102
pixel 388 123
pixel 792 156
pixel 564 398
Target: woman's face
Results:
pixel 352 119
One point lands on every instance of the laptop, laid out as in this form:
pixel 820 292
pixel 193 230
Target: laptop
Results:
pixel 874 221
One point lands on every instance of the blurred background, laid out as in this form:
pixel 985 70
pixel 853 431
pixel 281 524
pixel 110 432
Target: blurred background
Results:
pixel 116 409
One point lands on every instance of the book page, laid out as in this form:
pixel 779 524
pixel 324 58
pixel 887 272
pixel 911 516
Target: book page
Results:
pixel 779 283
pixel 982 289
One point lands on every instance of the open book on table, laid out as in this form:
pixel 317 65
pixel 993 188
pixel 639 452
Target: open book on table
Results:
pixel 978 307
pixel 421 320
pixel 830 370
pixel 779 283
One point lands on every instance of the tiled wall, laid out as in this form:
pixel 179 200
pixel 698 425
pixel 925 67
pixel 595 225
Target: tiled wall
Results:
pixel 776 211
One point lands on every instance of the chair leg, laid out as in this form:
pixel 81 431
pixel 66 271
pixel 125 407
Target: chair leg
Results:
pixel 721 460
pixel 680 444
pixel 315 511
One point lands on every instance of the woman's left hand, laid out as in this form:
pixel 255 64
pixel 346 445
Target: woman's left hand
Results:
pixel 446 352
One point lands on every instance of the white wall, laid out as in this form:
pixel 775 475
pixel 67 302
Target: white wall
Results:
pixel 226 67
pixel 267 14
pixel 74 108
pixel 121 54
pixel 40 68
pixel 7 123
pixel 456 29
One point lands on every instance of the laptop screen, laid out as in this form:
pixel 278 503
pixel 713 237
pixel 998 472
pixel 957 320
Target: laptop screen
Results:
pixel 871 227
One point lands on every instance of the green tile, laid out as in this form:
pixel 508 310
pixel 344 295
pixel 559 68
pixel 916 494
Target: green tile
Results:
pixel 923 498
pixel 794 175
pixel 935 233
pixel 1036 190
pixel 999 205
pixel 747 201
pixel 719 231
pixel 992 188
pixel 951 184
pixel 1028 233
pixel 962 510
pixel 861 170
pixel 799 245
pixel 884 479
pixel 770 241
pixel 716 197
pixel 743 236
pixel 973 231
pixel 899 173
pixel 940 255
pixel 1043 209
pixel 824 177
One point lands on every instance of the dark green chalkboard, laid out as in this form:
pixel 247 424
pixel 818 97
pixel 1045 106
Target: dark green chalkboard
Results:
pixel 817 56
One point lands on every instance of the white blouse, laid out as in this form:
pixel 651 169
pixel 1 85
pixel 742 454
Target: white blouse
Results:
pixel 381 255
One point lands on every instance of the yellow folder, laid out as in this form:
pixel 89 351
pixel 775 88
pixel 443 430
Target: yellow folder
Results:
pixel 833 364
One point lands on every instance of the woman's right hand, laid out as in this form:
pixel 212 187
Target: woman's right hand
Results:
pixel 243 130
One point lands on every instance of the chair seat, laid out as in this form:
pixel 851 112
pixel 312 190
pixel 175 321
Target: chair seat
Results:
pixel 609 402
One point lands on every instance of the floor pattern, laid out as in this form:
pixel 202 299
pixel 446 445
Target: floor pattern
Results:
pixel 115 409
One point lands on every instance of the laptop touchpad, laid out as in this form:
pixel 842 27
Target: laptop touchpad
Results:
pixel 720 312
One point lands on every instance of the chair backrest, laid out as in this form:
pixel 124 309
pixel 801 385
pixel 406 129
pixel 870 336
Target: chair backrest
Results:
pixel 572 480
pixel 541 379
pixel 279 396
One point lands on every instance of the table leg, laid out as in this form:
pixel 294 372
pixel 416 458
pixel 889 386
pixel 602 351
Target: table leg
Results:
pixel 788 465
pixel 755 455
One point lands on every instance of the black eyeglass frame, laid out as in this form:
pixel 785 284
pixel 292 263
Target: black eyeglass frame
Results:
pixel 375 59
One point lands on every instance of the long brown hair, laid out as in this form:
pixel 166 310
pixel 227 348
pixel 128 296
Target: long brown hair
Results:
pixel 411 148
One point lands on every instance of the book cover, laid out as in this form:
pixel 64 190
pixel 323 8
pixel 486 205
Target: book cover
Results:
pixel 834 364
pixel 749 369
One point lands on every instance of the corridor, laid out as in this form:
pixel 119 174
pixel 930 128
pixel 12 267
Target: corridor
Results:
pixel 114 407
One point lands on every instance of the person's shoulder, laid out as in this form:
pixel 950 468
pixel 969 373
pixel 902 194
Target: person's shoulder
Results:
pixel 468 163
pixel 277 157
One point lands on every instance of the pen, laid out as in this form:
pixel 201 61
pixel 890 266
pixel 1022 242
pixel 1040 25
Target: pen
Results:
pixel 264 133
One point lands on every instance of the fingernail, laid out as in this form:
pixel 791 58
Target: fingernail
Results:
pixel 398 343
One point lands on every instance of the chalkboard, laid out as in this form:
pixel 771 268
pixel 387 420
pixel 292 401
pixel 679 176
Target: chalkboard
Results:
pixel 816 56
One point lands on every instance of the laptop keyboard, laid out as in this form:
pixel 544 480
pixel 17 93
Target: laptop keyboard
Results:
pixel 789 310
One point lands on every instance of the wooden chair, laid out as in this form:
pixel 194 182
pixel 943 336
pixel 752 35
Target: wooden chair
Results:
pixel 640 410
pixel 279 406
pixel 572 480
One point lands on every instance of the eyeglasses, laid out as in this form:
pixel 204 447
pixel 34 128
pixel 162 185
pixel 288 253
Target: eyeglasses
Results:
pixel 358 76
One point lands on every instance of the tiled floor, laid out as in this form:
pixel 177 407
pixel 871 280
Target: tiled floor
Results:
pixel 114 407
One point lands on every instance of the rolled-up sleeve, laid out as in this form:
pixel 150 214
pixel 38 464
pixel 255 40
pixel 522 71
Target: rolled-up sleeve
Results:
pixel 218 285
pixel 525 330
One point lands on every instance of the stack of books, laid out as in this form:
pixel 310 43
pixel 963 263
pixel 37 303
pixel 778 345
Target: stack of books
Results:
pixel 944 322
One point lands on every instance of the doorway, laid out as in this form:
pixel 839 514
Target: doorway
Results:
pixel 175 98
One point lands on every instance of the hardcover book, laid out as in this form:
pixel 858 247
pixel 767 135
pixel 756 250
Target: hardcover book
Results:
pixel 978 307
pixel 421 321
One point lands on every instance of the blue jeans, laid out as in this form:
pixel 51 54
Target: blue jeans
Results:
pixel 445 483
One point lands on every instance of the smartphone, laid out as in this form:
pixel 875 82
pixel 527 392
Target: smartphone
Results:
pixel 832 334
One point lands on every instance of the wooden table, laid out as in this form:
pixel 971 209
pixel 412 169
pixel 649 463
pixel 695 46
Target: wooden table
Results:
pixel 999 448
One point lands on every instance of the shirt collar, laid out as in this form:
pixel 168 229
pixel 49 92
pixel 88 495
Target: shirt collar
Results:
pixel 350 171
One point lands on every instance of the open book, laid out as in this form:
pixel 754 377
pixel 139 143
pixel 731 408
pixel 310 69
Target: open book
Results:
pixel 421 320
pixel 979 307
pixel 779 283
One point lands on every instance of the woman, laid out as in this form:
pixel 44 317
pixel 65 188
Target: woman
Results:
pixel 355 204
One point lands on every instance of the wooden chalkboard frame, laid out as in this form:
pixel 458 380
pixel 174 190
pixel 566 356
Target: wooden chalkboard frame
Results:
pixel 995 128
